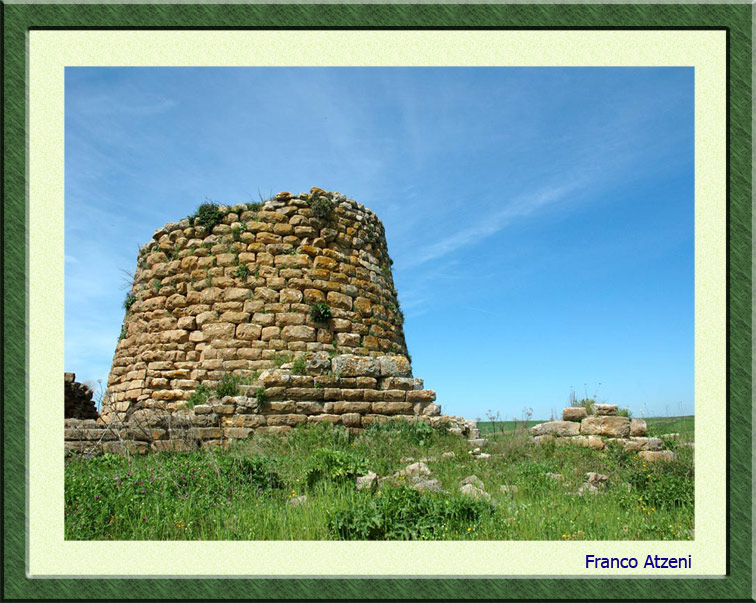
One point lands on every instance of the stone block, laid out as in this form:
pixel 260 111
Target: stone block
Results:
pixel 556 428
pixel 392 408
pixel 219 330
pixel 605 410
pixel 349 340
pixel 149 417
pixel 615 427
pixel 653 456
pixel 269 333
pixel 252 421
pixel 351 419
pixel 421 395
pixel 432 410
pixel 324 418
pixel 235 317
pixel 207 433
pixel 309 408
pixel 237 433
pixel 373 395
pixel 273 429
pixel 298 333
pixel 348 365
pixel 304 393
pixel 290 318
pixel 645 443
pixel 248 332
pixel 638 427
pixel 394 395
pixel 324 263
pixel 577 413
pixel 283 407
pixel 187 322
pixel 352 395
pixel 291 420
pixel 350 407
pixel 395 366
pixel 313 296
pixel 405 383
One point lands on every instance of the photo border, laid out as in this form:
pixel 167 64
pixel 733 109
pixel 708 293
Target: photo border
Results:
pixel 19 19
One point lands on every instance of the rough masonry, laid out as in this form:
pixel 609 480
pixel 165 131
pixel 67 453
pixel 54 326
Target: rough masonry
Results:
pixel 292 302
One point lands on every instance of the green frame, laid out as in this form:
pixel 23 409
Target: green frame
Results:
pixel 18 19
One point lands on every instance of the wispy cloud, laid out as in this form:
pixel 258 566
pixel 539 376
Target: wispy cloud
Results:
pixel 520 208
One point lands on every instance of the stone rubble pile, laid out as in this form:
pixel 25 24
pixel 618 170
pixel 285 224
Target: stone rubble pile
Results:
pixel 597 429
pixel 77 399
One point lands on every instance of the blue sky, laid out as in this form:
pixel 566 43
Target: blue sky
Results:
pixel 540 219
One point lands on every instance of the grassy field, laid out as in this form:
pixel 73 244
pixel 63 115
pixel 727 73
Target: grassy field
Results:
pixel 246 491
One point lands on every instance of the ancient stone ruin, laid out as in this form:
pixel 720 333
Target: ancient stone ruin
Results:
pixel 260 317
pixel 595 430
pixel 77 399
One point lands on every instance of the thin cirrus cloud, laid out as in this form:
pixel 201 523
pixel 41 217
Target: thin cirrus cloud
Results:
pixel 521 208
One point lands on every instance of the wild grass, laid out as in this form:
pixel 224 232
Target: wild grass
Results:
pixel 244 491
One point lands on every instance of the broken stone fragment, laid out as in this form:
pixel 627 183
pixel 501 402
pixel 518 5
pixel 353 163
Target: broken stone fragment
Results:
pixel 416 469
pixel 367 482
pixel 474 480
pixel 478 442
pixel 597 479
pixel 587 488
pixel 653 456
pixel 473 492
pixel 556 428
pixel 426 485
pixel 638 427
pixel 643 443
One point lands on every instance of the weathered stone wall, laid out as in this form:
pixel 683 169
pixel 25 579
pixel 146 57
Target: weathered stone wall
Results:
pixel 153 430
pixel 597 429
pixel 237 298
pixel 77 399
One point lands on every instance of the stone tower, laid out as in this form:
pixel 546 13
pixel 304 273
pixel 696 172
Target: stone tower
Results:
pixel 293 297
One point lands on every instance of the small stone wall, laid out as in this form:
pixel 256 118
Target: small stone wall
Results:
pixel 78 399
pixel 349 390
pixel 599 428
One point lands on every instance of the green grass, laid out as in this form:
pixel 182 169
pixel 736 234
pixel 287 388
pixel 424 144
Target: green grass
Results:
pixel 243 492
pixel 489 428
pixel 661 425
